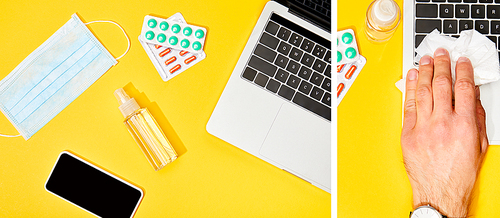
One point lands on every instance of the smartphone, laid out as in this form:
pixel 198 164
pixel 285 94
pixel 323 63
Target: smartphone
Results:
pixel 91 188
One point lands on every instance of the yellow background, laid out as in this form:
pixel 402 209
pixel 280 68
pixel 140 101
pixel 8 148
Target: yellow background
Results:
pixel 211 178
pixel 372 181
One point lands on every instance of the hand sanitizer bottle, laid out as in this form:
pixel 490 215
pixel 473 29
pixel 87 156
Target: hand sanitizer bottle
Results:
pixel 146 131
pixel 382 19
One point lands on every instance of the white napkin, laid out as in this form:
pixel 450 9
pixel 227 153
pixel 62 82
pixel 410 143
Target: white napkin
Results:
pixel 481 51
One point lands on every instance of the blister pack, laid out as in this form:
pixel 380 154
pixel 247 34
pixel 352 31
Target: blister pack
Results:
pixel 346 74
pixel 168 61
pixel 169 33
pixel 347 47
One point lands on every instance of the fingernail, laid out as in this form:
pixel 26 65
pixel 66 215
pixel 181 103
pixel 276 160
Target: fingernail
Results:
pixel 463 59
pixel 425 60
pixel 440 52
pixel 412 74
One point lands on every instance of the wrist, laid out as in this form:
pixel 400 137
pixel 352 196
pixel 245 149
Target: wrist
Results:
pixel 446 205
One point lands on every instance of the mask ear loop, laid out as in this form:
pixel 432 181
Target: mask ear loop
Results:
pixel 11 136
pixel 126 36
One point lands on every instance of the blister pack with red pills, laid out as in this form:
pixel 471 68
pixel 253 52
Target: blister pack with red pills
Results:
pixel 349 61
pixel 170 60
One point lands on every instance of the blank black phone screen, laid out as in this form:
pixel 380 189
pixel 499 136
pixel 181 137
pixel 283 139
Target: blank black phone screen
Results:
pixel 92 189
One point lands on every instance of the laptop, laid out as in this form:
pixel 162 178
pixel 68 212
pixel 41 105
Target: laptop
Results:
pixel 451 17
pixel 277 102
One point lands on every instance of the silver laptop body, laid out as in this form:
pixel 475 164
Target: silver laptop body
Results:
pixel 269 126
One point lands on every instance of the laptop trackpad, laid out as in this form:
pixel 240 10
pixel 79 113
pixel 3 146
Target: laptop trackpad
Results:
pixel 301 142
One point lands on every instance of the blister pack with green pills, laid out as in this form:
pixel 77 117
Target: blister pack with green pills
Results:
pixel 347 48
pixel 172 34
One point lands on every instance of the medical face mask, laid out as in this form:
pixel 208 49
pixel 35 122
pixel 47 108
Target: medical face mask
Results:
pixel 53 76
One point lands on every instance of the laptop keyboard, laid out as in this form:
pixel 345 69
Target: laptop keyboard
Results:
pixel 450 17
pixel 294 64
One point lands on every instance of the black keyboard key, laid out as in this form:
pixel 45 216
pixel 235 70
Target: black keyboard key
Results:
pixel 286 92
pixel 265 53
pixel 273 85
pixel 272 28
pixel 495 27
pixel 293 81
pixel 284 48
pixel 477 11
pixel 305 87
pixel 317 93
pixel 307 60
pixel 319 51
pixel 328 57
pixel 462 11
pixel 427 26
pixel 438 0
pixel 313 106
pixel 284 33
pixel 418 40
pixel 446 11
pixel 455 1
pixel 319 65
pixel 450 26
pixel 281 61
pixel 316 79
pixel 307 45
pixel 293 67
pixel 295 39
pixel 470 1
pixel 485 1
pixel 465 25
pixel 327 85
pixel 282 75
pixel 482 26
pixel 427 10
pixel 328 71
pixel 423 0
pixel 269 40
pixel 493 39
pixel 249 74
pixel 327 99
pixel 305 73
pixel 262 66
pixel 261 79
pixel 493 11
pixel 296 54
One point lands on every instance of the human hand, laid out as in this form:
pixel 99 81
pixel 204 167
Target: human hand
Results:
pixel 443 143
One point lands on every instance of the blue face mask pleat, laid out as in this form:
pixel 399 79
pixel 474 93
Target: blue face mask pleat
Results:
pixel 53 76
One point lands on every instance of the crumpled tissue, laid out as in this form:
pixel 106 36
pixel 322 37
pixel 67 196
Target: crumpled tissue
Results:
pixel 480 50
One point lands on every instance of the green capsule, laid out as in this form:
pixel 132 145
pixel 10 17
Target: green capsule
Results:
pixel 173 40
pixel 350 52
pixel 150 35
pixel 187 31
pixel 176 28
pixel 196 46
pixel 161 38
pixel 199 34
pixel 185 43
pixel 164 26
pixel 152 23
pixel 339 56
pixel 347 38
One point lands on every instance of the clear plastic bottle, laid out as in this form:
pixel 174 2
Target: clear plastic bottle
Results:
pixel 382 20
pixel 146 131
